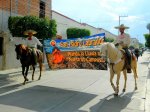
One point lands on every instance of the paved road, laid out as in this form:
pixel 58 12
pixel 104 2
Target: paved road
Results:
pixel 74 91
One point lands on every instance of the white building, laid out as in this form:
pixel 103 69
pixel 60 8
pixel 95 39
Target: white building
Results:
pixel 134 43
pixel 64 22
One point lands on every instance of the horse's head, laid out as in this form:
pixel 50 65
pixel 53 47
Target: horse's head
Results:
pixel 103 49
pixel 19 50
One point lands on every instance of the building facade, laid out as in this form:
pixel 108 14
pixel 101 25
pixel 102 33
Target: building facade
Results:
pixel 39 8
pixel 134 43
pixel 64 22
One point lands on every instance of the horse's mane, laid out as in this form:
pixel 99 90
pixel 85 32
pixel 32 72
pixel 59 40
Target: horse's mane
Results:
pixel 23 46
pixel 113 51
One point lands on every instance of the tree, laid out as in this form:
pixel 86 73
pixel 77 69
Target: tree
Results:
pixel 107 39
pixel 45 28
pixel 147 38
pixel 77 33
pixel 148 27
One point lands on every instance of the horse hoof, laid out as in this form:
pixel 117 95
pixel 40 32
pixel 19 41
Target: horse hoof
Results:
pixel 123 90
pixel 115 94
pixel 135 88
pixel 32 79
pixel 27 79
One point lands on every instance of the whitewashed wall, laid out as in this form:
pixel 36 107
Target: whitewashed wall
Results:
pixel 64 22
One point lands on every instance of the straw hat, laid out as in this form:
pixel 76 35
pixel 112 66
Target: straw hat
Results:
pixel 122 26
pixel 29 31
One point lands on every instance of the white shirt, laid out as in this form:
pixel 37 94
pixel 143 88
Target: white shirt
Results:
pixel 33 42
pixel 125 38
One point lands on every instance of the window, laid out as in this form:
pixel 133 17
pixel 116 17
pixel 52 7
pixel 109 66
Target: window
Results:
pixel 1 46
pixel 42 9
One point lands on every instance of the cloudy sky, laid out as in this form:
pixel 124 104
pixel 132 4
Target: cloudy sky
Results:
pixel 105 14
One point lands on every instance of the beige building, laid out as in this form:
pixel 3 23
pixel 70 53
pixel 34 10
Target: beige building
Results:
pixel 39 8
pixel 134 43
pixel 64 22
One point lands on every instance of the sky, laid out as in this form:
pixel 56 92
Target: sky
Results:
pixel 105 14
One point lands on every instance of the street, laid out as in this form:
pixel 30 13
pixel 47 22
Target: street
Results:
pixel 75 90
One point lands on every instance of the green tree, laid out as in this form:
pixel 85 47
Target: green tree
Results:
pixel 45 28
pixel 107 39
pixel 147 38
pixel 77 33
pixel 148 27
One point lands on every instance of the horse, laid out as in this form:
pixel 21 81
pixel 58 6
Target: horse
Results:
pixel 117 62
pixel 25 54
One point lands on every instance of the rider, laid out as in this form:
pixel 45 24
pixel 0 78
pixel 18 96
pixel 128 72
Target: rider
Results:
pixel 32 42
pixel 124 40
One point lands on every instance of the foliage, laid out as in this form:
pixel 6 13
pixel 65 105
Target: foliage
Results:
pixel 77 33
pixel 45 28
pixel 148 27
pixel 141 45
pixel 107 39
pixel 147 38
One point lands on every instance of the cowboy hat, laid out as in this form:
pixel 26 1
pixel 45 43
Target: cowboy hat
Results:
pixel 29 31
pixel 122 26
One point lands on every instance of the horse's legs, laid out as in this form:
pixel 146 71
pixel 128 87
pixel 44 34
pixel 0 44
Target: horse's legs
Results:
pixel 111 81
pixel 33 72
pixel 40 66
pixel 125 80
pixel 135 76
pixel 117 83
pixel 26 73
pixel 23 69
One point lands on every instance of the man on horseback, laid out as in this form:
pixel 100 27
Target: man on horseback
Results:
pixel 32 42
pixel 123 40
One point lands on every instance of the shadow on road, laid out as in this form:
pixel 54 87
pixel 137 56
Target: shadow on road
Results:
pixel 112 103
pixel 47 99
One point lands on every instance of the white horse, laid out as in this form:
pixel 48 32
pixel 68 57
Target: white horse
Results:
pixel 116 60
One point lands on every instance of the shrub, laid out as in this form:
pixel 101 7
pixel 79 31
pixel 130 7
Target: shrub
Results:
pixel 45 28
pixel 77 33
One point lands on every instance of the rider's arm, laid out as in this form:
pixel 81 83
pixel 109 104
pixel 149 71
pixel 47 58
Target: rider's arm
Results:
pixel 37 41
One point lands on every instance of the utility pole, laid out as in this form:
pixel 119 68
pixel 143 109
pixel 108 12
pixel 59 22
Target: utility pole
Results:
pixel 119 21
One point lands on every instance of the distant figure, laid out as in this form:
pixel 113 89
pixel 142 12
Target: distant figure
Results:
pixel 137 53
pixel 123 40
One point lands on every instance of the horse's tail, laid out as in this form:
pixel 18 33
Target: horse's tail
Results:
pixel 134 59
pixel 41 59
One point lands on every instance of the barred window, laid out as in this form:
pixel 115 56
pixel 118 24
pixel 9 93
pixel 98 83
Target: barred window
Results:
pixel 42 9
pixel 1 46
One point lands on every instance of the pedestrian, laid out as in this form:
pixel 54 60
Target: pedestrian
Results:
pixel 32 42
pixel 123 39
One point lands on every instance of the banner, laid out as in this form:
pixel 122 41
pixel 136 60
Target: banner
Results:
pixel 75 53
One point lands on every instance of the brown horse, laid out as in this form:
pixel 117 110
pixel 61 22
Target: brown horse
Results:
pixel 117 65
pixel 26 57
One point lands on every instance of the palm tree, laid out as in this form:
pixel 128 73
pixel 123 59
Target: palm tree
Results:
pixel 148 27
